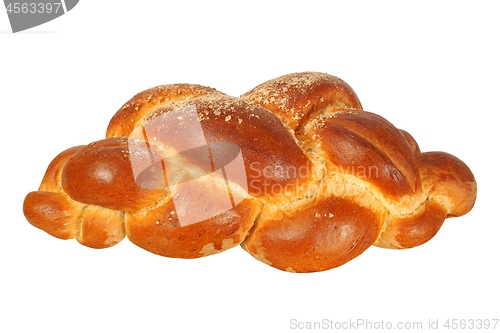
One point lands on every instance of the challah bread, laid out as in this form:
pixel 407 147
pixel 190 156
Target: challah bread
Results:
pixel 294 171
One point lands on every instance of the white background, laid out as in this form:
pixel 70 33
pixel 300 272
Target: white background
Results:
pixel 429 67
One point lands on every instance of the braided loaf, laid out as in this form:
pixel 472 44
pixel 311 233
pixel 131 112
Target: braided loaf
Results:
pixel 294 171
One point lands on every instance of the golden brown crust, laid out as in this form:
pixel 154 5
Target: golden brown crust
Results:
pixel 270 153
pixel 322 179
pixel 52 212
pixel 413 230
pixel 132 113
pixel 448 181
pixel 101 174
pixel 101 227
pixel 316 237
pixel 52 179
pixel 295 97
pixel 368 146
pixel 159 230
pixel 411 141
pixel 49 208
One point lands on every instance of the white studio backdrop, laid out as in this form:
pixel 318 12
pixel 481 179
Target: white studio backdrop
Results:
pixel 430 68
